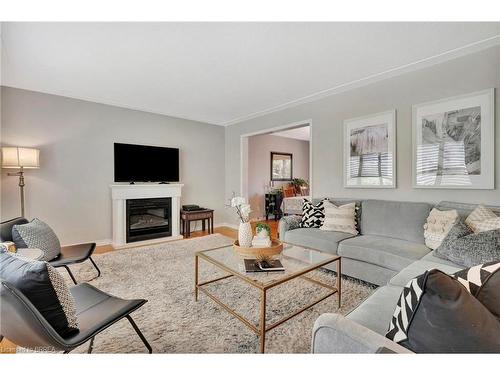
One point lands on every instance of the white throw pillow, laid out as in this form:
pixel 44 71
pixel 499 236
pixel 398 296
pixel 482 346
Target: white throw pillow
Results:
pixel 340 218
pixel 437 226
pixel 482 219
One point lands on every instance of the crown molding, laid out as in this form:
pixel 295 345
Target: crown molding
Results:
pixel 377 77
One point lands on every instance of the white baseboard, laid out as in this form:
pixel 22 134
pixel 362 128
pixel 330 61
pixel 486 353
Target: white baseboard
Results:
pixel 104 242
pixel 97 242
pixel 232 226
pixel 107 242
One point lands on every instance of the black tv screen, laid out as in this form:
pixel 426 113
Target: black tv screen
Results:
pixel 137 163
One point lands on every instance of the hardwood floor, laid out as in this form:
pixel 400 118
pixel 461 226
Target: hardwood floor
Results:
pixel 7 347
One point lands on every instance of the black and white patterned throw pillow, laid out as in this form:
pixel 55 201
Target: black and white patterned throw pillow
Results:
pixel 37 235
pixel 459 313
pixel 313 215
pixel 483 282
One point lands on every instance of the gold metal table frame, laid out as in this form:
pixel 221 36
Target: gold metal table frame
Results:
pixel 262 328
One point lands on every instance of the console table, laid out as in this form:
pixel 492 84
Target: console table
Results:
pixel 188 216
pixel 273 204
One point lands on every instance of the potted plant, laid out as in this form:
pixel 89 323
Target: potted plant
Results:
pixel 297 183
pixel 262 230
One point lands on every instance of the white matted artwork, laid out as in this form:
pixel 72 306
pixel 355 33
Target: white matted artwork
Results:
pixel 453 142
pixel 370 151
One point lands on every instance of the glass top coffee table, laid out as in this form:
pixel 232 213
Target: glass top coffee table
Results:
pixel 297 261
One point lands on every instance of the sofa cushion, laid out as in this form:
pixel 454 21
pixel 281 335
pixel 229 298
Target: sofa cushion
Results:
pixel 316 238
pixel 431 257
pixel 376 311
pixel 418 268
pixel 402 220
pixel 464 209
pixel 383 251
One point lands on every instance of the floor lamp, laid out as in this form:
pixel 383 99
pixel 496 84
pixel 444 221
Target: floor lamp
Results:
pixel 20 158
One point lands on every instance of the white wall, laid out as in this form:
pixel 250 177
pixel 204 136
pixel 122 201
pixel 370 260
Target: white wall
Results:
pixel 71 189
pixel 459 76
pixel 259 165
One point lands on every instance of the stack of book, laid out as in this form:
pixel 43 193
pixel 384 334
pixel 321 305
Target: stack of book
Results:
pixel 253 265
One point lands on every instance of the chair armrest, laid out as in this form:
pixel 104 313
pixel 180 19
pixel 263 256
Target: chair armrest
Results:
pixel 334 333
pixel 288 223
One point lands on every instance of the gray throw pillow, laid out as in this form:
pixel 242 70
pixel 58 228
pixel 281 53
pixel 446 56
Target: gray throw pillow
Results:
pixel 468 249
pixel 36 234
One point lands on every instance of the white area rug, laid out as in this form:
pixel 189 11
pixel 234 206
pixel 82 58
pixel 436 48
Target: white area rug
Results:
pixel 174 323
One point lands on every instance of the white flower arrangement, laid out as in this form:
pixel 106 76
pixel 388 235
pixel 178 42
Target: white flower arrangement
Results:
pixel 243 209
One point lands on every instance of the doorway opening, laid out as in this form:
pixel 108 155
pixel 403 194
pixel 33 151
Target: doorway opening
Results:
pixel 276 170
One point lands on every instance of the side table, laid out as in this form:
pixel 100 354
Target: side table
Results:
pixel 188 216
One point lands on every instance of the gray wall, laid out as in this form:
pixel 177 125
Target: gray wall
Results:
pixel 71 189
pixel 259 165
pixel 459 76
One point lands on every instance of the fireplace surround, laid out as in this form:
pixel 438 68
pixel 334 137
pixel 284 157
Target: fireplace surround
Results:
pixel 125 196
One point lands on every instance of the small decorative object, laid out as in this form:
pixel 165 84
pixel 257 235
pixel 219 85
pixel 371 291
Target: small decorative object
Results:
pixel 281 166
pixel 370 151
pixel 245 234
pixel 243 210
pixel 262 230
pixel 453 142
pixel 274 251
pixel 262 238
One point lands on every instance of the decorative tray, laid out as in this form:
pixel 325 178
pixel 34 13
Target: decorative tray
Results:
pixel 259 252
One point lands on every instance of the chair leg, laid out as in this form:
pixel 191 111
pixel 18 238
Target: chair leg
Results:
pixel 71 275
pixel 95 265
pixel 139 333
pixel 91 345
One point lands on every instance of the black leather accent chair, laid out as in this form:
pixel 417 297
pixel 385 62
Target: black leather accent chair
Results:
pixel 69 254
pixel 23 324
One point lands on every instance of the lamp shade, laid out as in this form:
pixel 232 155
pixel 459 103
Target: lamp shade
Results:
pixel 17 157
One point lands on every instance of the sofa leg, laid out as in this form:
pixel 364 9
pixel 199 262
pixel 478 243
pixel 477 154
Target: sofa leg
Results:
pixel 95 265
pixel 139 333
pixel 71 275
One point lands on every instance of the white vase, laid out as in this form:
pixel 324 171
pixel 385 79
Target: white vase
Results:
pixel 245 235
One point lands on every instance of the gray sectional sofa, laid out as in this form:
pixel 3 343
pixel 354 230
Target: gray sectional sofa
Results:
pixel 389 251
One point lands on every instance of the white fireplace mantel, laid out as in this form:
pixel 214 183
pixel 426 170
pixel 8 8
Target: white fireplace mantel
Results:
pixel 119 195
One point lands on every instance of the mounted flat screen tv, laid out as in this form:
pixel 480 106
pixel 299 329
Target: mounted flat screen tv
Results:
pixel 138 163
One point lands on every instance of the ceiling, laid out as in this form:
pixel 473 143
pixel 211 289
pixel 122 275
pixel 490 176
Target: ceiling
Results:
pixel 303 133
pixel 222 73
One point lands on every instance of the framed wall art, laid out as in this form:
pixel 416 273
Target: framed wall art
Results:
pixel 281 166
pixel 370 151
pixel 453 142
